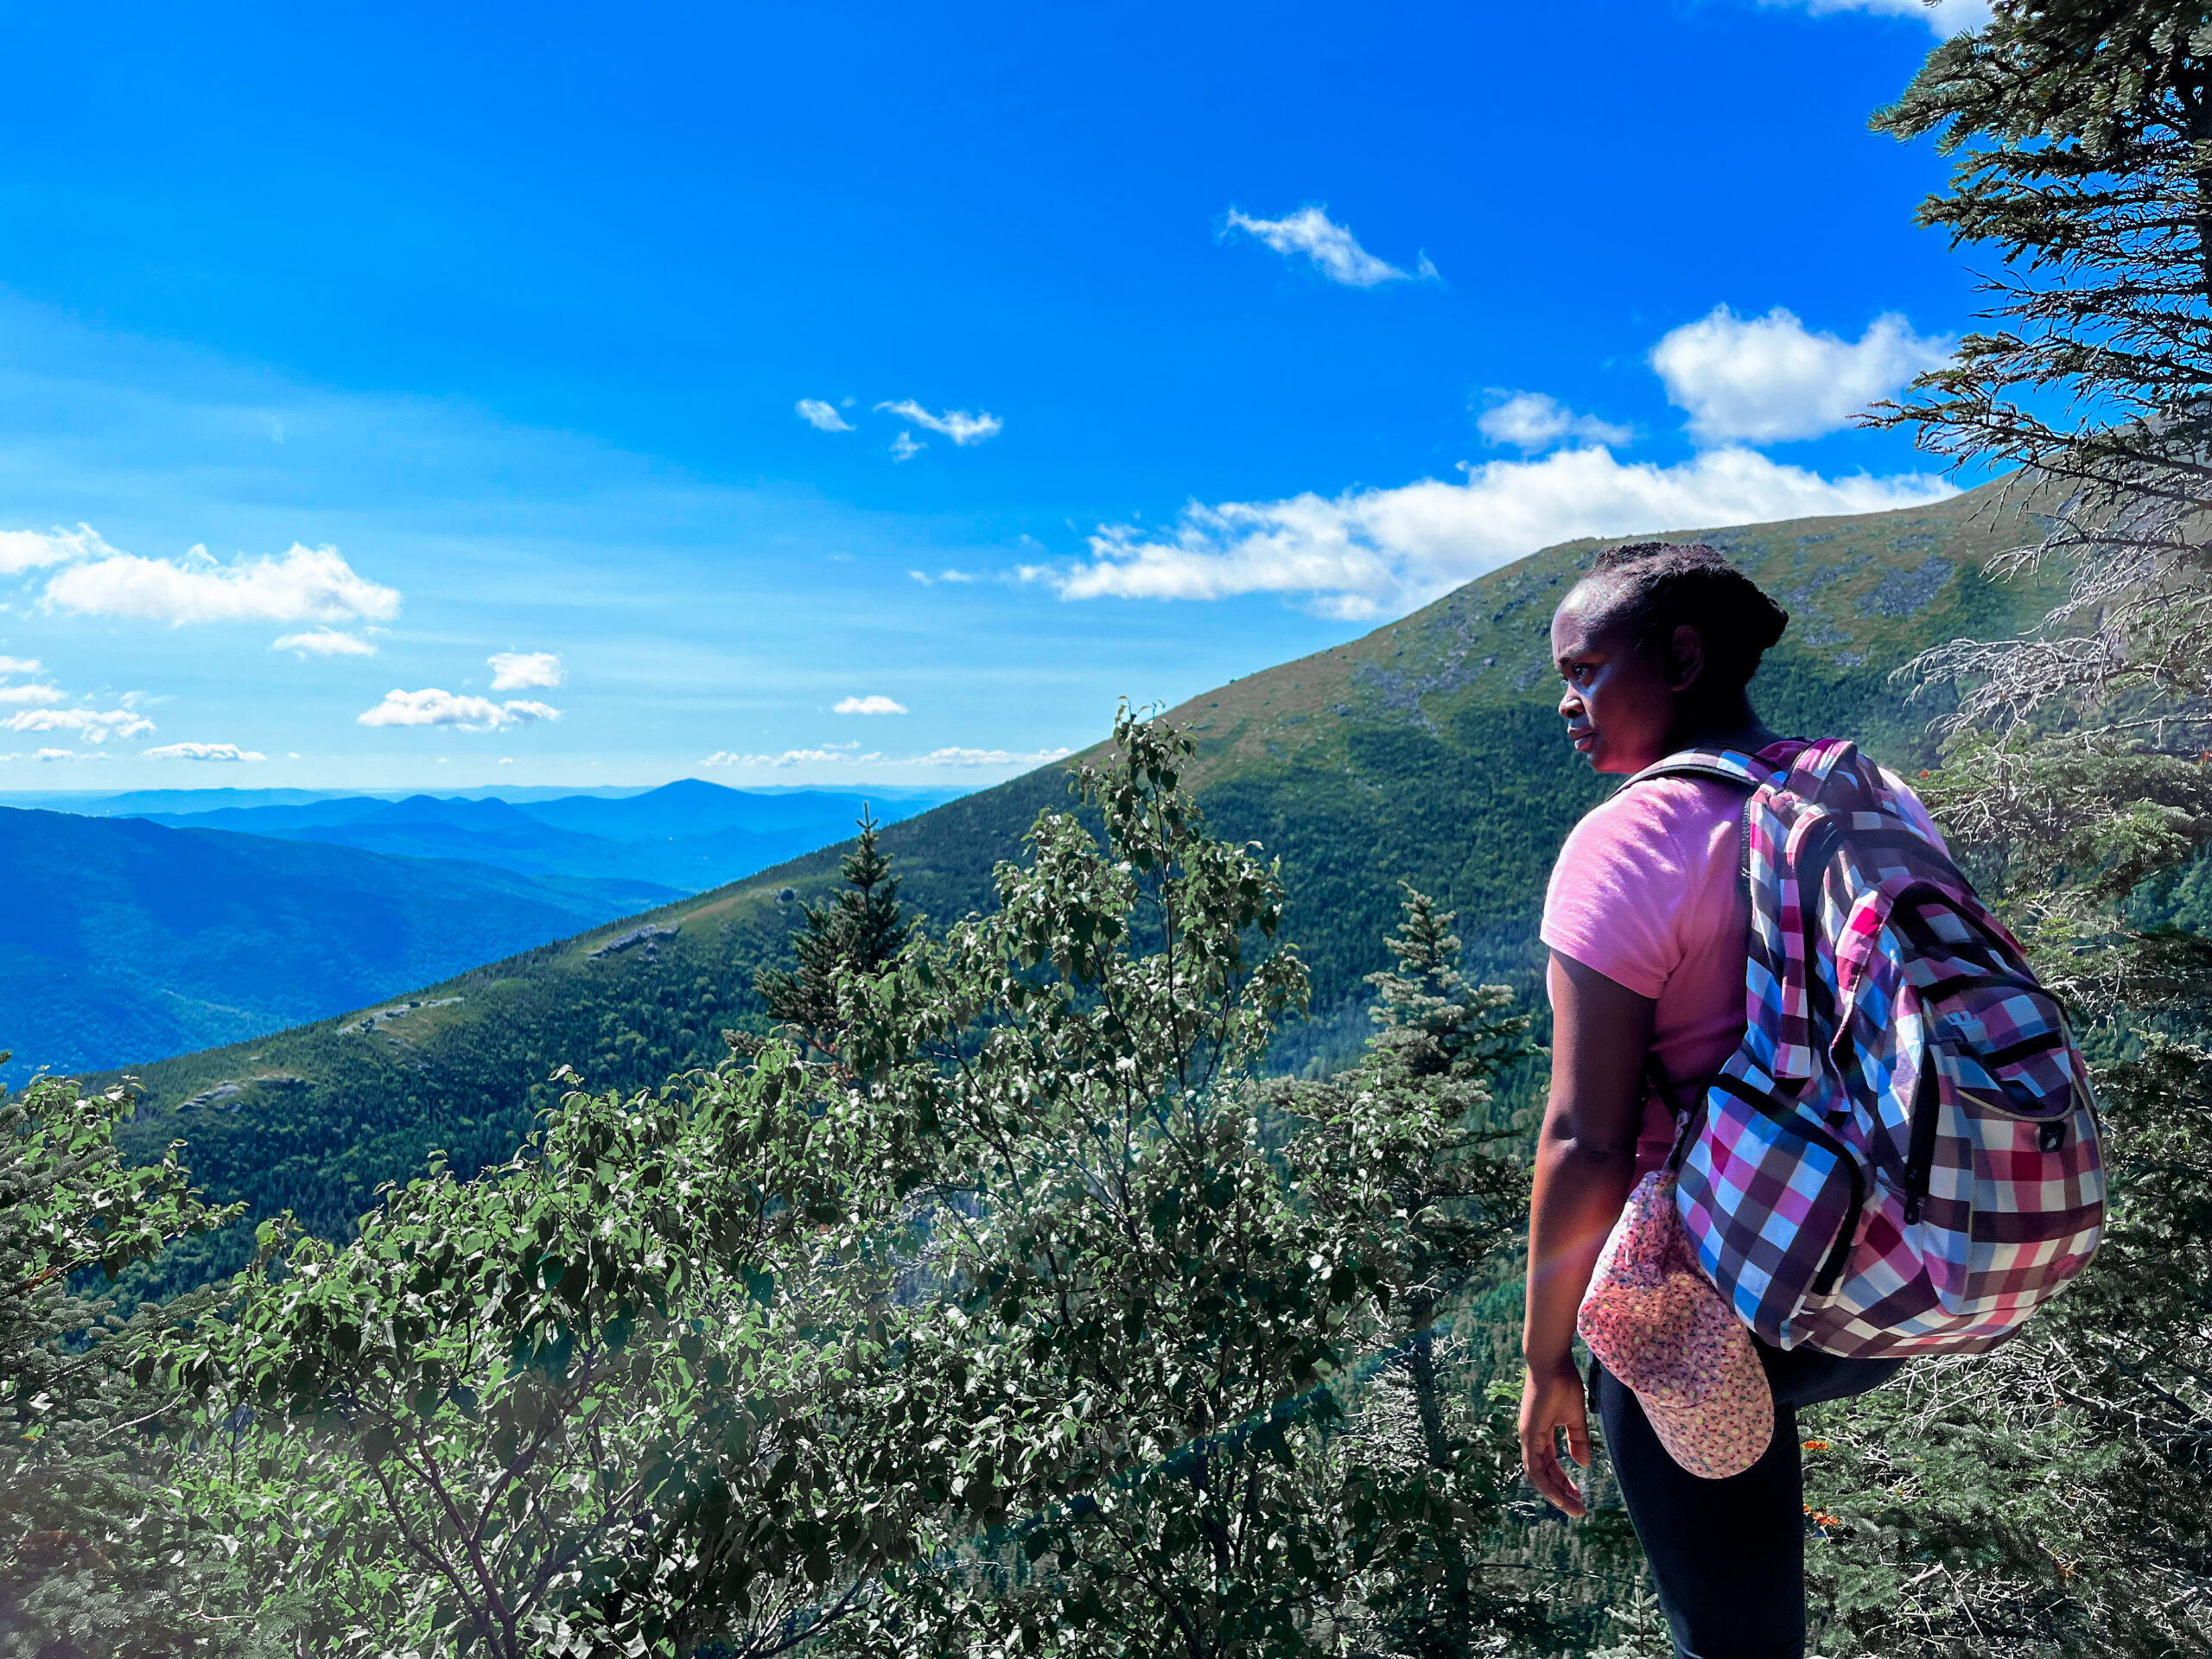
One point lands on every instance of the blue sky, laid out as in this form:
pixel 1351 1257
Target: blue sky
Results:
pixel 435 395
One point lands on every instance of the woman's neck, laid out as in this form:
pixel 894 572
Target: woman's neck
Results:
pixel 1734 724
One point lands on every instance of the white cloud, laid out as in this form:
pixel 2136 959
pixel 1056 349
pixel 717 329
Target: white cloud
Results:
pixel 821 416
pixel 834 753
pixel 33 550
pixel 526 671
pixel 94 724
pixel 29 694
pixel 64 754
pixel 202 752
pixel 957 425
pixel 432 707
pixel 1530 420
pixel 303 585
pixel 929 580
pixel 504 759
pixel 1945 17
pixel 988 756
pixel 872 704
pixel 1762 379
pixel 1335 253
pixel 903 447
pixel 843 754
pixel 325 642
pixel 1369 552
pixel 18 665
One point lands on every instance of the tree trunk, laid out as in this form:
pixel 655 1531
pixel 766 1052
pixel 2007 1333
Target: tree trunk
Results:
pixel 1458 1627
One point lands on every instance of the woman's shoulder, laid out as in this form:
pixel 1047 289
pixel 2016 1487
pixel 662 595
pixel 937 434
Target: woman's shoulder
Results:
pixel 1675 813
pixel 1633 870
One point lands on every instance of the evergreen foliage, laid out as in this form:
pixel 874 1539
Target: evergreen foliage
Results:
pixel 859 931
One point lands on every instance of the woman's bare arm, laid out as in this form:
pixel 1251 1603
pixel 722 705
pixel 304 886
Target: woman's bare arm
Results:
pixel 1585 1163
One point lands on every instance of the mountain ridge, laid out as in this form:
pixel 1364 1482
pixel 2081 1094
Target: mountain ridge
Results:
pixel 688 836
pixel 125 937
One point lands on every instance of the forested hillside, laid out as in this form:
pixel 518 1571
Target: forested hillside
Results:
pixel 120 940
pixel 1426 751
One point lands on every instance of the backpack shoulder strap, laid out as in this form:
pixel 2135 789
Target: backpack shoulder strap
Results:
pixel 1831 758
pixel 1840 775
pixel 1728 766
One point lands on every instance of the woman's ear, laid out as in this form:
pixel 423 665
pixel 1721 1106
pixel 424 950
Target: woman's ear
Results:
pixel 1685 657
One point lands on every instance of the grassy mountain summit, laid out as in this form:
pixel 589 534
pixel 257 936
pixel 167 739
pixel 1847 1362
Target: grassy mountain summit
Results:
pixel 1426 751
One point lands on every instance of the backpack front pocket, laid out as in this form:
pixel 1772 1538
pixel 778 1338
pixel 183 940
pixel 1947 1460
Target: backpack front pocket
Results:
pixel 2006 1188
pixel 1772 1200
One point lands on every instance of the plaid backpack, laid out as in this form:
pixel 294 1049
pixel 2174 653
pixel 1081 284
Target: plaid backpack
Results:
pixel 1902 1157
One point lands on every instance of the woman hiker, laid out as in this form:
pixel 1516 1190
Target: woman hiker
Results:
pixel 1648 926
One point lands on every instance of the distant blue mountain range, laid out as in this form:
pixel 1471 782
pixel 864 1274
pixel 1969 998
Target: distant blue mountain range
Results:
pixel 689 835
pixel 124 938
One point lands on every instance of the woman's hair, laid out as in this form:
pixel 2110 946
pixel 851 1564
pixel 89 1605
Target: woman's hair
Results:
pixel 1653 588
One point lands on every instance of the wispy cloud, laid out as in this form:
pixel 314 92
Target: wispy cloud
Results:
pixel 202 752
pixel 957 425
pixel 93 725
pixel 64 754
pixel 824 417
pixel 930 581
pixel 1334 250
pixel 1945 17
pixel 988 756
pixel 831 754
pixel 302 585
pixel 1766 379
pixel 32 693
pixel 526 671
pixel 1372 552
pixel 1530 420
pixel 903 447
pixel 431 707
pixel 848 754
pixel 872 704
pixel 19 665
pixel 324 642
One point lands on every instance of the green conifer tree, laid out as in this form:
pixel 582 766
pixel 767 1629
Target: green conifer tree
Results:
pixel 1421 1099
pixel 861 930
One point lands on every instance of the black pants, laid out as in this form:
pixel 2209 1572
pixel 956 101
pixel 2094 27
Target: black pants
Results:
pixel 1729 1556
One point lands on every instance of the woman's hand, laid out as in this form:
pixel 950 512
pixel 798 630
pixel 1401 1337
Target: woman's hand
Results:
pixel 1552 1399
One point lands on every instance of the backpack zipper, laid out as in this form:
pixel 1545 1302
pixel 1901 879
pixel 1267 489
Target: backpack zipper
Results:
pixel 1920 1156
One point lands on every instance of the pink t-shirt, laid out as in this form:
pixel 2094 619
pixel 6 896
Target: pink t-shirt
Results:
pixel 1648 891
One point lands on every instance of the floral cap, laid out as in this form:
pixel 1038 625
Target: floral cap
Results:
pixel 1656 1322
